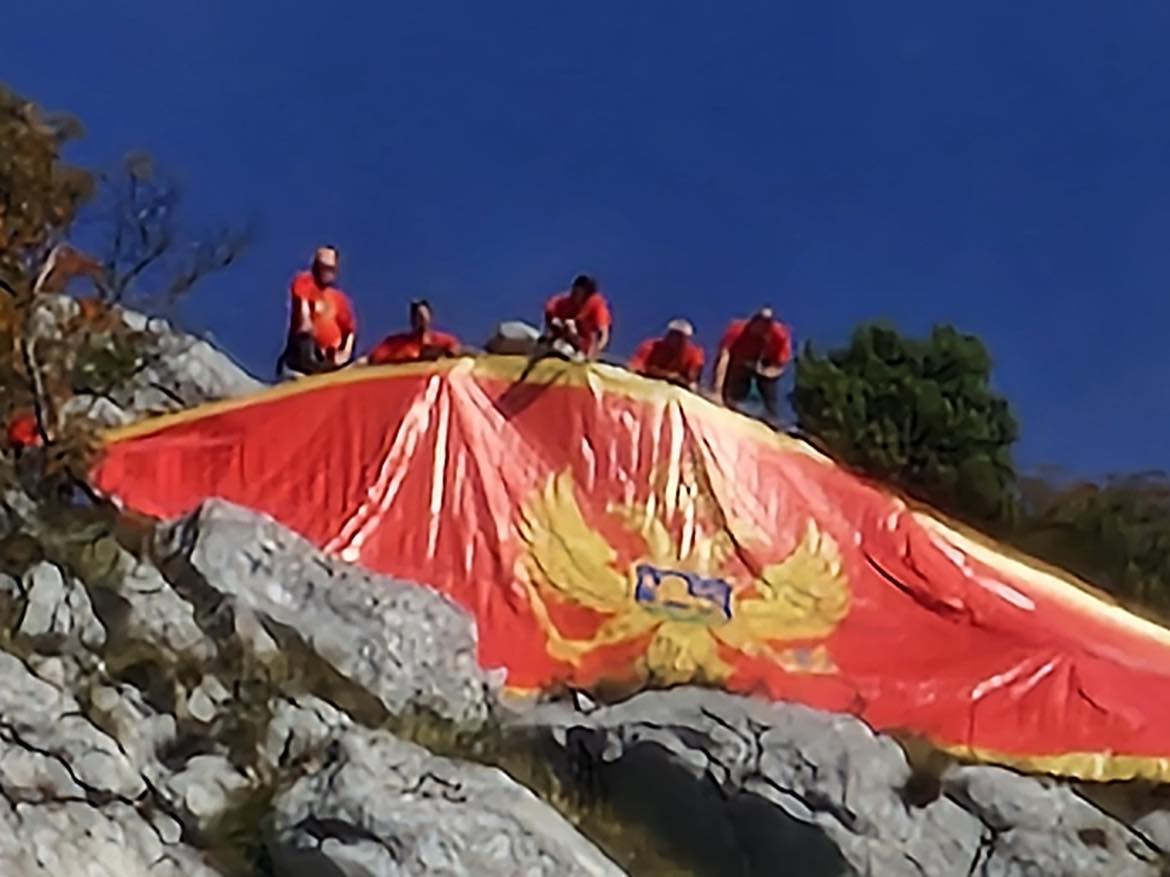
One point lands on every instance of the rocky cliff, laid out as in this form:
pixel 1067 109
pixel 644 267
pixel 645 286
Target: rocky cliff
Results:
pixel 213 696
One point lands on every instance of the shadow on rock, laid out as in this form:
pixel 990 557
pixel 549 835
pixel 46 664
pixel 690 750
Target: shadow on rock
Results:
pixel 690 819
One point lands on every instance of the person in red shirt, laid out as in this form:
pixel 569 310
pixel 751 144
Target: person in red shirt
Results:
pixel 753 352
pixel 420 344
pixel 322 327
pixel 579 317
pixel 674 357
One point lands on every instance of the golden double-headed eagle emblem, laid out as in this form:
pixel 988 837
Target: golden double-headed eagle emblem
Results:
pixel 691 594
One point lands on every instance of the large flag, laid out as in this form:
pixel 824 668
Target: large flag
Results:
pixel 609 532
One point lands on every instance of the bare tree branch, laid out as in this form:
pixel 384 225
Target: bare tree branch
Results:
pixel 148 257
pixel 41 404
pixel 217 251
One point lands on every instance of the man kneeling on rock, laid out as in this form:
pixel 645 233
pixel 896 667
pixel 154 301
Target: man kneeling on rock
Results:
pixel 753 353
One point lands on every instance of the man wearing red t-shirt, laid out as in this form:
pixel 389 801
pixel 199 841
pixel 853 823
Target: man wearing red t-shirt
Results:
pixel 322 327
pixel 420 344
pixel 673 357
pixel 753 352
pixel 579 317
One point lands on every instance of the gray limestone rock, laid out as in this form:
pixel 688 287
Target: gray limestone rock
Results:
pixel 38 718
pixel 205 787
pixel 70 799
pixel 59 605
pixel 10 587
pixel 66 672
pixel 98 409
pixel 73 838
pixel 379 806
pixel 186 372
pixel 753 774
pixel 300 727
pixel 140 731
pixel 157 614
pixel 207 700
pixel 1036 825
pixel 407 645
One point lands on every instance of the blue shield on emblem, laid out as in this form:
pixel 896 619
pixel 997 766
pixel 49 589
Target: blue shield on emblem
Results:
pixel 682 595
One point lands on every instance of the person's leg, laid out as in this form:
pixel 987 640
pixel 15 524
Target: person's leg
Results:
pixel 736 386
pixel 770 392
pixel 297 355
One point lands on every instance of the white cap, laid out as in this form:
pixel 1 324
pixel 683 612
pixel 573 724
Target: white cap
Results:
pixel 326 257
pixel 683 327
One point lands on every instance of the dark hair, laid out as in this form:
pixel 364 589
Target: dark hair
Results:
pixel 585 282
pixel 420 303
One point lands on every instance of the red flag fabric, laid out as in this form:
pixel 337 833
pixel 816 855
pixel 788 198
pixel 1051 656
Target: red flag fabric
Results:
pixel 611 531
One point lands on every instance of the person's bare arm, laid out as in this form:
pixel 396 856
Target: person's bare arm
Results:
pixel 719 377
pixel 771 372
pixel 302 315
pixel 600 343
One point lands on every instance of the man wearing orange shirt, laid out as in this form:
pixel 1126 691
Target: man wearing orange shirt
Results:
pixel 579 318
pixel 674 357
pixel 322 327
pixel 753 352
pixel 420 344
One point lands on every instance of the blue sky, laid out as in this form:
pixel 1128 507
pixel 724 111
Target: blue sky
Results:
pixel 1001 166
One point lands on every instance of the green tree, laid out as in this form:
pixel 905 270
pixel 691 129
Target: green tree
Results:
pixel 1115 534
pixel 919 414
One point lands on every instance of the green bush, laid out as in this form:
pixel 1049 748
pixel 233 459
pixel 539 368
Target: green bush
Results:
pixel 919 414
pixel 1115 534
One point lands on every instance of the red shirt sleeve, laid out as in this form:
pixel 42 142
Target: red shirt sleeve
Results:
pixel 599 310
pixel 552 306
pixel 300 293
pixel 731 335
pixel 446 343
pixel 300 286
pixel 641 355
pixel 694 362
pixel 779 345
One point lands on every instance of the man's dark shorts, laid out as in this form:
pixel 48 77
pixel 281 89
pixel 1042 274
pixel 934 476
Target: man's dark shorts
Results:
pixel 302 356
pixel 739 382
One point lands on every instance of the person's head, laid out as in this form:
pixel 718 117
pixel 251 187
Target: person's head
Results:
pixel 325 265
pixel 760 322
pixel 678 332
pixel 583 287
pixel 420 315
